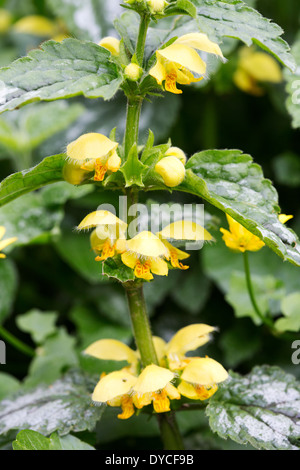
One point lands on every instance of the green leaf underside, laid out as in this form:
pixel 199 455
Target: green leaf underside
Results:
pixel 59 70
pixel 63 407
pixel 261 409
pixel 47 172
pixel 236 19
pixel 229 180
pixel 32 440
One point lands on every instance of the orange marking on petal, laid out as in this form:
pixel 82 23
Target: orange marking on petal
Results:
pixel 100 171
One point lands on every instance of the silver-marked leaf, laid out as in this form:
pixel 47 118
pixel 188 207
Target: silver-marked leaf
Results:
pixel 64 406
pixel 229 180
pixel 293 87
pixel 262 409
pixel 236 19
pixel 59 70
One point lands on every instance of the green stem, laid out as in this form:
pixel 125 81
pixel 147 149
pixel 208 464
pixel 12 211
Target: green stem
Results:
pixel 15 342
pixel 169 431
pixel 141 41
pixel 134 290
pixel 265 320
pixel 141 325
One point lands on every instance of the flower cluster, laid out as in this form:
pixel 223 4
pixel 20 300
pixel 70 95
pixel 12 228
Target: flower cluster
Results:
pixel 175 375
pixel 146 253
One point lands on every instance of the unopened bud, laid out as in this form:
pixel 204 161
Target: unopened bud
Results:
pixel 133 72
pixel 111 44
pixel 176 152
pixel 157 6
pixel 114 163
pixel 172 170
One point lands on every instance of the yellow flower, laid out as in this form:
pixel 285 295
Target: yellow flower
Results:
pixel 36 25
pixel 144 254
pixel 113 350
pixel 283 218
pixel 109 236
pixel 239 239
pixel 5 20
pixel 5 243
pixel 186 339
pixel 115 389
pixel 176 152
pixel 179 62
pixel 95 153
pixel 200 377
pixel 154 386
pixel 178 231
pixel 172 171
pixel 255 68
pixel 111 44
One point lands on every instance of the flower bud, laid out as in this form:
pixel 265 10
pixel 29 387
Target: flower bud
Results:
pixel 176 152
pixel 133 72
pixel 114 163
pixel 157 6
pixel 172 170
pixel 111 44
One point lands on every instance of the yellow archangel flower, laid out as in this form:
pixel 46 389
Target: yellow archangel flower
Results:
pixel 94 152
pixel 239 239
pixel 180 62
pixel 144 253
pixel 5 20
pixel 189 338
pixel 200 378
pixel 5 243
pixel 108 238
pixel 255 68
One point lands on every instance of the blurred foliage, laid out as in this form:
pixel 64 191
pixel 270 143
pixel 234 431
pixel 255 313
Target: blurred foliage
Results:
pixel 52 269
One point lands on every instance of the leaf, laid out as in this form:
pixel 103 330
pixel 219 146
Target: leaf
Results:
pixel 229 180
pixel 261 409
pixel 8 285
pixel 25 129
pixel 75 250
pixel 87 19
pixel 114 268
pixel 59 70
pixel 32 440
pixel 236 19
pixel 64 407
pixel 133 169
pixel 55 355
pixel 47 172
pixel 39 324
pixel 8 385
pixel 268 293
pixel 293 87
pixel 290 307
pixel 287 168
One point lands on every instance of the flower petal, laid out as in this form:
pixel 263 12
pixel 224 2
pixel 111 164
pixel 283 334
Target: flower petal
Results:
pixel 113 385
pixel 101 218
pixel 189 338
pixel 204 371
pixel 91 146
pixel 200 41
pixel 183 56
pixel 111 349
pixel 153 378
pixel 147 244
pixel 185 230
pixel 159 267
